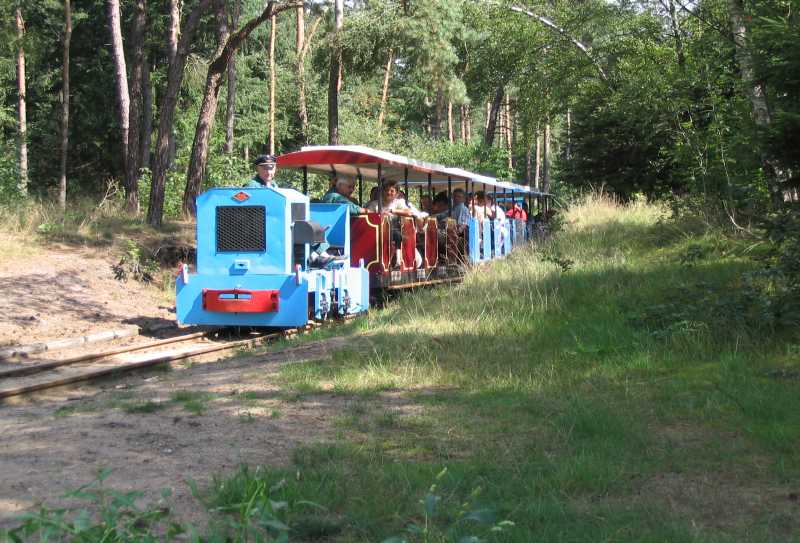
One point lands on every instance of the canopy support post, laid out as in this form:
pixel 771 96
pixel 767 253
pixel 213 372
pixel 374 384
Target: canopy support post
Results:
pixel 430 189
pixel 405 184
pixel 305 180
pixel 380 190
pixel 449 195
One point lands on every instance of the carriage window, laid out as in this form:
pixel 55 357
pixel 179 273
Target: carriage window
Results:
pixel 241 229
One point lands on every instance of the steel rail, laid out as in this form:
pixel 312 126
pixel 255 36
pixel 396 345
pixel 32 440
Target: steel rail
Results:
pixel 37 368
pixel 124 367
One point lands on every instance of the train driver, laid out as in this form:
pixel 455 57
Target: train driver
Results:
pixel 340 193
pixel 265 172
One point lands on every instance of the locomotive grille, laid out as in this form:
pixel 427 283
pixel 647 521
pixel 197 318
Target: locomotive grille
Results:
pixel 241 229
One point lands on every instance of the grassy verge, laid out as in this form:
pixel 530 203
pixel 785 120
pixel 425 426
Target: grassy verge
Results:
pixel 617 383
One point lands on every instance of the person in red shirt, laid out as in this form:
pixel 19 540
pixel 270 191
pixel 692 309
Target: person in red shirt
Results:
pixel 517 212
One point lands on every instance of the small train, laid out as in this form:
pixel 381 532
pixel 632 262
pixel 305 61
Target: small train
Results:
pixel 255 246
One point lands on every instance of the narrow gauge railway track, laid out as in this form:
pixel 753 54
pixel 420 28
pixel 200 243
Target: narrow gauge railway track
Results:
pixel 34 377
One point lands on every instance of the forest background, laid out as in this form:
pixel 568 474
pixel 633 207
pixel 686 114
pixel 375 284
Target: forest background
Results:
pixel 692 101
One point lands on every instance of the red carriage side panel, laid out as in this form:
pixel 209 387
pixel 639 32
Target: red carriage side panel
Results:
pixel 409 246
pixel 370 242
pixel 386 243
pixel 431 243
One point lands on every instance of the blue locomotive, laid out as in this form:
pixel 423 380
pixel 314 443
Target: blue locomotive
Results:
pixel 253 248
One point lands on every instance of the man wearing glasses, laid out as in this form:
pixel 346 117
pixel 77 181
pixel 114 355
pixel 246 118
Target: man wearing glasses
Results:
pixel 265 171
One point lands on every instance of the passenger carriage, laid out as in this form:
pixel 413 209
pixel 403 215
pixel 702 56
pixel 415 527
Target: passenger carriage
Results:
pixel 370 234
pixel 253 244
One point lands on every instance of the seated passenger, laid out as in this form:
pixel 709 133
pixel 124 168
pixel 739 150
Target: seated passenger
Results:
pixel 479 206
pixel 517 212
pixel 390 203
pixel 460 212
pixel 372 203
pixel 493 209
pixel 340 193
pixel 425 203
pixel 417 213
pixel 395 207
pixel 439 207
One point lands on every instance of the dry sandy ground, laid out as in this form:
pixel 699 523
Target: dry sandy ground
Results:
pixel 71 292
pixel 59 441
pixel 46 452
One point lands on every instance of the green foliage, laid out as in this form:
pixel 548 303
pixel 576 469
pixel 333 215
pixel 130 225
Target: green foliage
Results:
pixel 136 263
pixel 438 524
pixel 777 283
pixel 192 401
pixel 248 506
pixel 109 515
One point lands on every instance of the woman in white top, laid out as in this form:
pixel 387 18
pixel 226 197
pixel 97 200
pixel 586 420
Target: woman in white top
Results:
pixel 396 207
pixel 392 205
pixel 479 207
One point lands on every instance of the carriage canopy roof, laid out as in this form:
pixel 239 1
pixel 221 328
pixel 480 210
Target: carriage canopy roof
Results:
pixel 353 160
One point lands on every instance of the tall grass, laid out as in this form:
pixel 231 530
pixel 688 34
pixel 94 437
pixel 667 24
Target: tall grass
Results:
pixel 566 381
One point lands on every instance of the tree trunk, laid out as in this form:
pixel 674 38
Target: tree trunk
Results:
pixel 205 120
pixel 120 76
pixel 300 38
pixel 468 123
pixel 385 93
pixel 755 89
pixel 568 153
pixel 173 33
pixel 546 158
pixel 463 125
pixel 438 115
pixel 147 116
pixel 335 75
pixel 450 132
pixel 230 106
pixel 756 92
pixel 135 133
pixel 62 184
pixel 537 174
pixel 509 134
pixel 550 24
pixel 491 123
pixel 676 33
pixel 272 33
pixel 528 164
pixel 22 130
pixel 303 45
pixel 162 157
pixel 501 123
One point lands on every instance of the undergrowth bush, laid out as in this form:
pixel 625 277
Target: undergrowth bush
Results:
pixel 136 263
pixel 778 281
pixel 108 515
